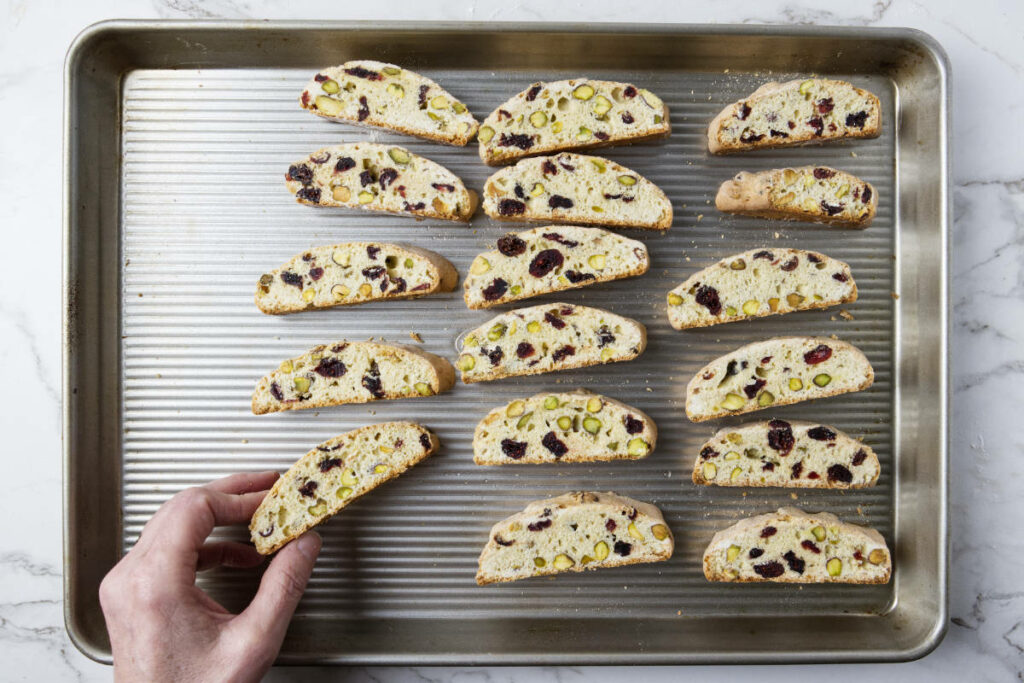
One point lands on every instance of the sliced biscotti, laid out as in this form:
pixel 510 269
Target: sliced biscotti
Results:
pixel 776 372
pixel 572 533
pixel 793 454
pixel 572 426
pixel 792 546
pixel 795 112
pixel 353 273
pixel 575 114
pixel 351 372
pixel 808 193
pixel 758 283
pixel 375 177
pixel 549 337
pixel 388 96
pixel 551 259
pixel 575 188
pixel 334 474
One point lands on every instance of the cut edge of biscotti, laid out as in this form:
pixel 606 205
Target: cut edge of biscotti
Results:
pixel 290 386
pixel 515 193
pixel 740 398
pixel 816 109
pixel 610 113
pixel 700 296
pixel 574 426
pixel 487 335
pixel 817 194
pixel 616 525
pixel 782 453
pixel 383 178
pixel 488 284
pixel 819 548
pixel 325 277
pixel 332 475
pixel 404 101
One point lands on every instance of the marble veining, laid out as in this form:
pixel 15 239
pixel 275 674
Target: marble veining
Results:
pixel 986 634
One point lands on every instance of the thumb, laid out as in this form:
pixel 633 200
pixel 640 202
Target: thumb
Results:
pixel 266 618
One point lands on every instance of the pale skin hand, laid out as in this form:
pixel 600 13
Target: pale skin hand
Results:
pixel 163 628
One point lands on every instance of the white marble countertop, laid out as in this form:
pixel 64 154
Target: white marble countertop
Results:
pixel 986 636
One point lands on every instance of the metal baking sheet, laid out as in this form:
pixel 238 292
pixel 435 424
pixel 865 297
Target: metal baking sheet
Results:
pixel 178 136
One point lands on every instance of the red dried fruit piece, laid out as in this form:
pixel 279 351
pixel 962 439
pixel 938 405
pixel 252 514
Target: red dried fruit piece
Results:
pixel 791 124
pixel 567 166
pixel 328 464
pixel 419 288
pixel 366 178
pixel 425 441
pixel 310 194
pixel 858 556
pixel 601 135
pixel 622 548
pixel 708 297
pixel 766 360
pixel 627 118
pixel 823 173
pixel 330 367
pixel 275 391
pixel 308 488
pixel 372 252
pixel 555 237
pixel 777 133
pixel 840 473
pixel 708 452
pixel 495 355
pixel 531 94
pixel 610 525
pixel 513 449
pixel 343 164
pixel 859 457
pixel 576 277
pixel 371 381
pixel 546 261
pixel 399 285
pixel 320 157
pixel 790 265
pixel 825 105
pixel 857 120
pixel 423 96
pixel 502 114
pixel 338 348
pixel 554 320
pixel 301 173
pixel 765 255
pixel 633 512
pixel 821 433
pixel 548 168
pixel 768 532
pixel 866 197
pixel 495 290
pixel 418 206
pixel 780 436
pixel 630 91
pixel 501 541
pixel 747 136
pixel 769 570
pixel 744 112
pixel 559 202
pixel 320 78
pixel 360 72
pixel 814 475
pixel 633 425
pixel 604 335
pixel 520 140
pixel 387 176
pixel 290 278
pixel 830 209
pixel 794 562
pixel 809 545
pixel 768 467
pixel 755 553
pixel 443 187
pixel 539 525
pixel 552 443
pixel 564 352
pixel 373 272
pixel 519 191
pixel 819 354
pixel 751 389
pixel 814 258
pixel 817 124
pixel 364 109
pixel 524 350
pixel 841 277
pixel 266 532
pixel 315 273
pixel 797 469
pixel 511 207
pixel 511 245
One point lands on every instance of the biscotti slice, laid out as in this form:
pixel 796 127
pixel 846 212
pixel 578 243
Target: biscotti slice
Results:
pixel 800 111
pixel 374 177
pixel 572 426
pixel 572 533
pixel 334 474
pixel 353 273
pixel 574 114
pixel 575 188
pixel 387 96
pixel 549 337
pixel 551 259
pixel 351 372
pixel 776 372
pixel 759 283
pixel 818 194
pixel 792 546
pixel 792 454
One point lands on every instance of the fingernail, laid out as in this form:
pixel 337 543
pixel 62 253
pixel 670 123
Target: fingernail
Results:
pixel 309 544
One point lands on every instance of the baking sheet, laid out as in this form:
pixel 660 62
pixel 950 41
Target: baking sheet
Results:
pixel 203 211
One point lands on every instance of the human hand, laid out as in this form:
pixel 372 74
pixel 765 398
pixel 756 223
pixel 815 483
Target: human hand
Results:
pixel 164 628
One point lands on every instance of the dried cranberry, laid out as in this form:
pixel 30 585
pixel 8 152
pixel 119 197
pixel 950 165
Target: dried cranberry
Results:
pixel 790 265
pixel 814 258
pixel 751 389
pixel 338 348
pixel 841 277
pixel 519 191
pixel 769 570
pixel 633 425
pixel 766 360
pixel 548 168
pixel 532 93
pixel 778 133
pixel 387 176
pixel 554 320
pixel 791 124
pixel 360 72
pixel 559 202
pixel 320 78
pixel 780 436
pixel 372 252
pixel 343 164
pixel 794 562
pixel 744 112
pixel 564 352
pixel 830 209
pixel 747 136
pixel 495 290
pixel 418 206
pixel 315 273
pixel 513 449
pixel 765 254
pixel 840 473
pixel 858 555
pixel 797 469
pixel 822 173
pixel 373 272
pixel 866 197
pixel 275 391
pixel 423 96
pixel 825 105
pixel 630 91
pixel 301 173
pixel 555 237
pixel 539 524
pixel 859 457
pixel 308 488
pixel 817 124
pixel 627 118
pixel 756 553
pixel 708 297
pixel 810 545
pixel 443 187
pixel 418 288
pixel 622 548
pixel 290 278
pixel 320 157
pixel 576 277
pixel 519 140
pixel 604 335
pixel 524 350
pixel 601 135
pixel 857 120
pixel 768 532
pixel 564 164
pixel 399 285
pixel 501 541
pixel 266 532
pixel 551 442
pixel 425 441
pixel 371 381
pixel 366 178
pixel 511 245
pixel 328 464
pixel 330 367
pixel 511 207
pixel 364 109
pixel 814 475
pixel 821 433
pixel 610 525
pixel 495 355
pixel 502 114
pixel 608 195
pixel 310 194
pixel 546 261
pixel 819 354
